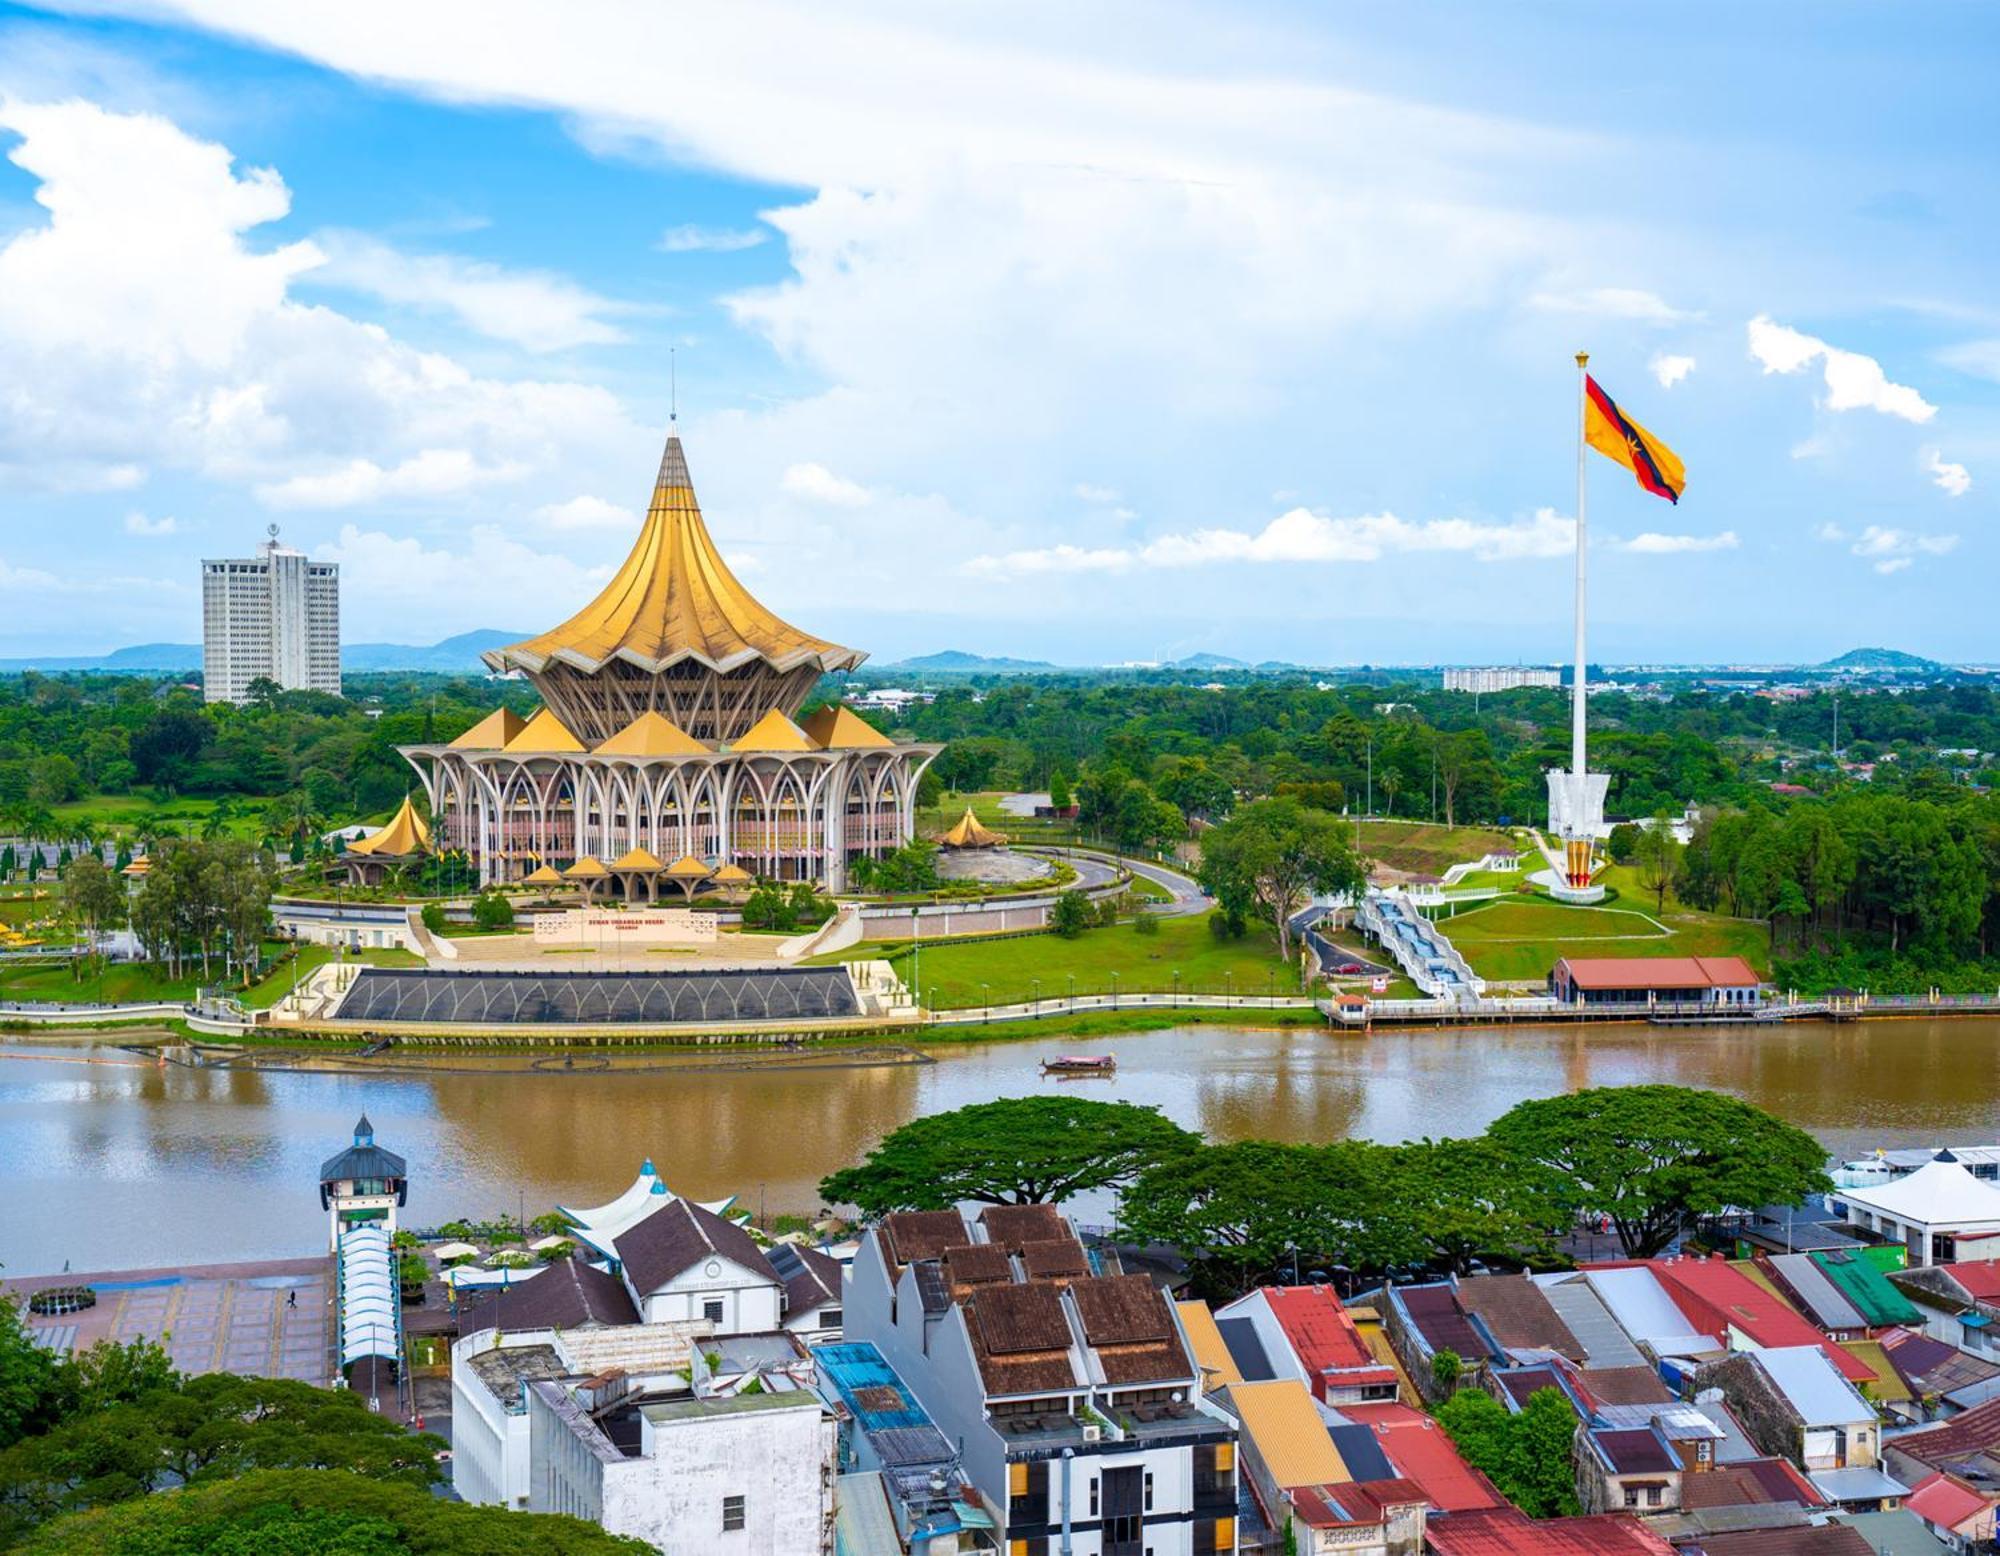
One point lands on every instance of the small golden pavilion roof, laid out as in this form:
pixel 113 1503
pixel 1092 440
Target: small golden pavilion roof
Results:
pixel 689 868
pixel 969 833
pixel 835 728
pixel 588 868
pixel 652 734
pixel 405 834
pixel 545 875
pixel 544 732
pixel 732 874
pixel 638 859
pixel 774 732
pixel 674 599
pixel 490 733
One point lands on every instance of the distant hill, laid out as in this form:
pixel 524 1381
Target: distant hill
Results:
pixel 1207 662
pixel 1880 659
pixel 955 661
pixel 454 656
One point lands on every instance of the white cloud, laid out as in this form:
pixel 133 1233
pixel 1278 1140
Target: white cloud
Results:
pixel 1090 492
pixel 186 351
pixel 529 308
pixel 691 239
pixel 1670 370
pixel 586 512
pixel 436 472
pixel 399 571
pixel 1612 302
pixel 1301 536
pixel 136 523
pixel 1652 543
pixel 816 483
pixel 1853 381
pixel 1886 549
pixel 1953 480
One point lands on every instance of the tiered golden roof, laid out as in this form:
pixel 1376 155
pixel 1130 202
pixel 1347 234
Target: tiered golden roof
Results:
pixel 545 875
pixel 970 833
pixel 642 859
pixel 674 599
pixel 405 834
pixel 689 868
pixel 588 868
pixel 652 734
pixel 835 728
pixel 490 733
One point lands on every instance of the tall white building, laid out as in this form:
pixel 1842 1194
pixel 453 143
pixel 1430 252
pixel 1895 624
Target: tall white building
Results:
pixel 1506 678
pixel 274 615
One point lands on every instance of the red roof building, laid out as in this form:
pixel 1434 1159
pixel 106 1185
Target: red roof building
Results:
pixel 1418 1449
pixel 1636 980
pixel 1722 1301
pixel 1509 1532
pixel 1334 1362
pixel 1953 1507
pixel 1980 1278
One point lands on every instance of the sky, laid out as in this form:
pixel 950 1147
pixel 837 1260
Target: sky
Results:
pixel 1094 334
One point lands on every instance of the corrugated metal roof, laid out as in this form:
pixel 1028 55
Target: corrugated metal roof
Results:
pixel 862 1522
pixel 1591 1322
pixel 1240 1336
pixel 1204 1338
pixel 1285 1429
pixel 1820 1297
pixel 1819 1394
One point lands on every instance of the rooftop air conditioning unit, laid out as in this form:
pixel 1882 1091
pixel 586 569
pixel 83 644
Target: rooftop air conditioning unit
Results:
pixel 1093 1433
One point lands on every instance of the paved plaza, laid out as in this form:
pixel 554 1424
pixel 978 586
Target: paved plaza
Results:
pixel 214 1318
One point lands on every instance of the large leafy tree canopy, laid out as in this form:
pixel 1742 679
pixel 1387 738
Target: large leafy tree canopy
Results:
pixel 319 1513
pixel 1272 856
pixel 1526 1455
pixel 1655 1158
pixel 1016 1151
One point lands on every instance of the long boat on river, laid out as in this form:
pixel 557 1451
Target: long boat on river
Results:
pixel 1080 1064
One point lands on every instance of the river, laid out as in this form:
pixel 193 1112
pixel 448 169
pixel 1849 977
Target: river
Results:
pixel 125 1164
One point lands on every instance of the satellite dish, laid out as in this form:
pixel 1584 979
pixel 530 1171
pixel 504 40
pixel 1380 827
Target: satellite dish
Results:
pixel 271 530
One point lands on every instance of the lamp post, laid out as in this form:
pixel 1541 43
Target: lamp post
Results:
pixel 1072 993
pixel 1177 987
pixel 1228 987
pixel 1114 991
pixel 1038 996
pixel 986 1003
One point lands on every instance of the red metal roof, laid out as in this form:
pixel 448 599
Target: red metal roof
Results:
pixel 1946 1501
pixel 1659 972
pixel 1509 1532
pixel 1419 1450
pixel 1714 1296
pixel 1352 1503
pixel 1979 1277
pixel 1323 1336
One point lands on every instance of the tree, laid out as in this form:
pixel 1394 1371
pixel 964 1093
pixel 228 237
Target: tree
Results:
pixel 1526 1455
pixel 29 1383
pixel 1016 1151
pixel 92 894
pixel 1446 1366
pixel 1273 855
pixel 491 911
pixel 320 1512
pixel 1060 798
pixel 1659 859
pixel 1623 844
pixel 1464 1200
pixel 1654 1159
pixel 1071 914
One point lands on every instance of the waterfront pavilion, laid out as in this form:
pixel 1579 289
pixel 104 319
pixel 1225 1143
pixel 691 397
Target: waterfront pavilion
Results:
pixel 669 730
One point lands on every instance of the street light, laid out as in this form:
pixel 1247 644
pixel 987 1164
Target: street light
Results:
pixel 986 1002
pixel 1114 991
pixel 1177 986
pixel 1228 987
pixel 1072 993
pixel 1038 995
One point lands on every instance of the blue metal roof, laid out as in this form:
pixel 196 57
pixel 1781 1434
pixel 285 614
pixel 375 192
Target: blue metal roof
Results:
pixel 854 1366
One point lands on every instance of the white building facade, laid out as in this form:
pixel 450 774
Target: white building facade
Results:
pixel 274 616
pixel 1486 679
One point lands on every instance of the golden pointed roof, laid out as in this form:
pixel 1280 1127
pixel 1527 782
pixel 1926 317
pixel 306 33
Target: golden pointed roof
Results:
pixel 547 875
pixel 731 874
pixel 969 833
pixel 638 859
pixel 674 599
pixel 588 868
pixel 405 834
pixel 835 728
pixel 652 734
pixel 491 732
pixel 773 732
pixel 687 867
pixel 544 732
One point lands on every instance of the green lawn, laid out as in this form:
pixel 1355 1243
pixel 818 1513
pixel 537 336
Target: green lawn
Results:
pixel 136 981
pixel 1521 937
pixel 952 974
pixel 1423 849
pixel 125 814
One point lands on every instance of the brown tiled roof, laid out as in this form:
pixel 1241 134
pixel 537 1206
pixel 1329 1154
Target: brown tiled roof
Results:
pixel 678 1236
pixel 812 1278
pixel 569 1294
pixel 1058 1256
pixel 1518 1314
pixel 1747 1482
pixel 1021 1338
pixel 1436 1315
pixel 1126 1322
pixel 976 1264
pixel 1975 1431
pixel 922 1234
pixel 1012 1225
pixel 1625 1385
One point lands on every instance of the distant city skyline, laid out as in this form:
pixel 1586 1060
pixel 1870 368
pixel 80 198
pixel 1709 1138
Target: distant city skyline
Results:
pixel 1087 338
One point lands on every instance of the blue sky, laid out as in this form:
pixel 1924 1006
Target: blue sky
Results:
pixel 1102 336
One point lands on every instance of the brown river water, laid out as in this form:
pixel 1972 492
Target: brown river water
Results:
pixel 124 1164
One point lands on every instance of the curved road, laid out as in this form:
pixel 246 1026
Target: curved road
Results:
pixel 1095 869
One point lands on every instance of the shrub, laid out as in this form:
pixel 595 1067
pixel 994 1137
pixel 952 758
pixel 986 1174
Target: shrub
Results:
pixel 1071 915
pixel 1146 923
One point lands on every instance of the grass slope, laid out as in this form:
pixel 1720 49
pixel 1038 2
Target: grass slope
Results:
pixel 1520 937
pixel 1422 849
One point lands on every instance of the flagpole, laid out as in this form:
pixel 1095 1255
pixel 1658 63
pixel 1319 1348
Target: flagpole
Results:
pixel 1581 675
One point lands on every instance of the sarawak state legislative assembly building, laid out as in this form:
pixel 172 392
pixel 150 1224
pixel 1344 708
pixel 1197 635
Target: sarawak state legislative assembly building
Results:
pixel 668 748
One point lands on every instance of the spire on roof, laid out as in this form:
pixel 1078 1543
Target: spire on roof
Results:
pixel 364 1132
